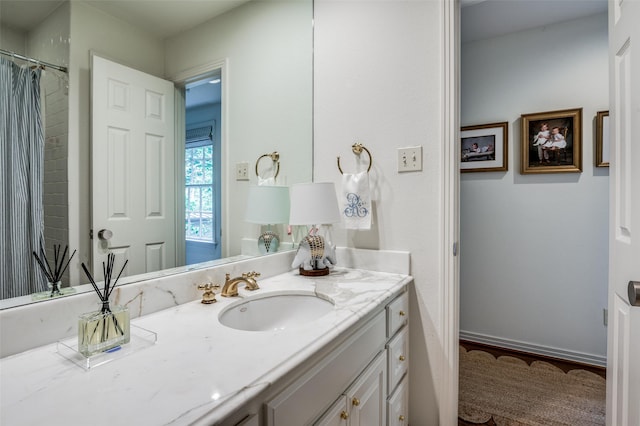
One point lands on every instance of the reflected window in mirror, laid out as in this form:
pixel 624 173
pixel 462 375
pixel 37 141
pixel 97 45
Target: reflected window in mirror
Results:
pixel 202 170
pixel 199 199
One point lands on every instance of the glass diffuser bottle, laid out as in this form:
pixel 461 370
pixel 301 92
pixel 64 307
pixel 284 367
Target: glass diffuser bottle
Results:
pixel 109 327
pixel 102 330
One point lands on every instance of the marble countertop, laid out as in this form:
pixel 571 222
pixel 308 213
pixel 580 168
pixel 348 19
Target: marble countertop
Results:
pixel 198 372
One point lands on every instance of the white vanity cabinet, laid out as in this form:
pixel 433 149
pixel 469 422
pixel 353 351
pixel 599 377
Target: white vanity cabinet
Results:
pixel 360 383
pixel 348 367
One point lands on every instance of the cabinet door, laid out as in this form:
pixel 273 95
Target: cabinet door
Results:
pixel 305 400
pixel 398 405
pixel 367 397
pixel 337 415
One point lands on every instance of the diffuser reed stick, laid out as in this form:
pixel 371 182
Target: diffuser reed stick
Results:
pixel 54 275
pixel 107 271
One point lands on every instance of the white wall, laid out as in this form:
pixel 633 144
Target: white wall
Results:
pixel 534 247
pixel 93 30
pixel 268 48
pixel 13 40
pixel 378 80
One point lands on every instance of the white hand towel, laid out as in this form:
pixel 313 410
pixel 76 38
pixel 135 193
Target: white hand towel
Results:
pixel 355 202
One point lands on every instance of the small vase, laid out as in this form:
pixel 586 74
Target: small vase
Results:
pixel 102 330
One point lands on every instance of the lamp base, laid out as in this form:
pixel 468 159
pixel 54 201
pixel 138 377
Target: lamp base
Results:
pixel 314 272
pixel 268 242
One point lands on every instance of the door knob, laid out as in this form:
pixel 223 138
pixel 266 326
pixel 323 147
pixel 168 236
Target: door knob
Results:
pixel 634 293
pixel 105 234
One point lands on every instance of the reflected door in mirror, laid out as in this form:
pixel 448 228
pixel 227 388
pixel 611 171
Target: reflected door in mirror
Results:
pixel 133 167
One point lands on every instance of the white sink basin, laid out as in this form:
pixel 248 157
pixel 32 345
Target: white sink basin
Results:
pixel 274 311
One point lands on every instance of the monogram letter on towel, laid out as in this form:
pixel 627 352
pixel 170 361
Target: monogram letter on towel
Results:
pixel 356 201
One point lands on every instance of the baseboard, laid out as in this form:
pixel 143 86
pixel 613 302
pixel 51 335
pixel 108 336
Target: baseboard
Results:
pixel 547 351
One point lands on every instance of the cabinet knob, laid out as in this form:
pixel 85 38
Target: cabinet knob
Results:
pixel 344 415
pixel 402 313
pixel 355 402
pixel 401 418
pixel 401 358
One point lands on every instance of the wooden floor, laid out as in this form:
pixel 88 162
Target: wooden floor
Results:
pixel 564 365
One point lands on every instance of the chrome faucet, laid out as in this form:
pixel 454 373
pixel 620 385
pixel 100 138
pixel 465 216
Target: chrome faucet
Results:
pixel 230 288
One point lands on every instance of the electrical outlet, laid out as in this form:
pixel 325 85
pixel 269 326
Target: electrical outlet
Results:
pixel 242 171
pixel 410 159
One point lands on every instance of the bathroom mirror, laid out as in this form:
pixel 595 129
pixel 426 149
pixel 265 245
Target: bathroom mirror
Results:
pixel 268 87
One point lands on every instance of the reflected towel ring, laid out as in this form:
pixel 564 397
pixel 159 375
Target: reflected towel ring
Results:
pixel 357 149
pixel 275 157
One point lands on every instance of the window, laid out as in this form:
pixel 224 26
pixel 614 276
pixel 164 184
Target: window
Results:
pixel 199 192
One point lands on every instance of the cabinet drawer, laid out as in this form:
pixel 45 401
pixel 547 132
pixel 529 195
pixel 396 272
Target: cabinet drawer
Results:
pixel 397 313
pixel 398 357
pixel 398 405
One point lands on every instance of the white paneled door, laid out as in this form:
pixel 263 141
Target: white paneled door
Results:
pixel 133 169
pixel 623 366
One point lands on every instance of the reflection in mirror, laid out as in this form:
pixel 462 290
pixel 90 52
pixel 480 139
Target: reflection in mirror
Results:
pixel 262 50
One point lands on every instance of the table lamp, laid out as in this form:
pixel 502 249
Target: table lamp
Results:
pixel 268 205
pixel 314 204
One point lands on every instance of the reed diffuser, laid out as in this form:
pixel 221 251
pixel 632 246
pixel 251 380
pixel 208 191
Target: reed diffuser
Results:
pixel 54 275
pixel 107 328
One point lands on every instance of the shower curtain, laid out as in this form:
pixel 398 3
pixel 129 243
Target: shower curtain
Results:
pixel 21 174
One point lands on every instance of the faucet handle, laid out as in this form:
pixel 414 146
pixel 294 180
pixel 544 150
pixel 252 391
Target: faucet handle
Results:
pixel 209 296
pixel 253 274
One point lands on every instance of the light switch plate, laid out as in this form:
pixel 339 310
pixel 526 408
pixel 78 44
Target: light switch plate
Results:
pixel 242 171
pixel 410 159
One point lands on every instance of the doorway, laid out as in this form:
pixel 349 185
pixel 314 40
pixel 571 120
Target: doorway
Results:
pixel 534 259
pixel 202 168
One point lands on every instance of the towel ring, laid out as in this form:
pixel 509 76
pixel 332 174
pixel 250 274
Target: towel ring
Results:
pixel 357 149
pixel 275 157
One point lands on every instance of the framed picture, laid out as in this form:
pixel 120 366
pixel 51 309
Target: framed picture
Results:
pixel 602 139
pixel 484 148
pixel 552 142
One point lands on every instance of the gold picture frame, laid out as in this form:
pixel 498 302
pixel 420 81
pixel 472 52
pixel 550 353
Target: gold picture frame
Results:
pixel 602 139
pixel 551 142
pixel 484 148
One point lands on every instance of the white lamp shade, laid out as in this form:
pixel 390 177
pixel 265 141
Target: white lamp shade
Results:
pixel 267 204
pixel 314 204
